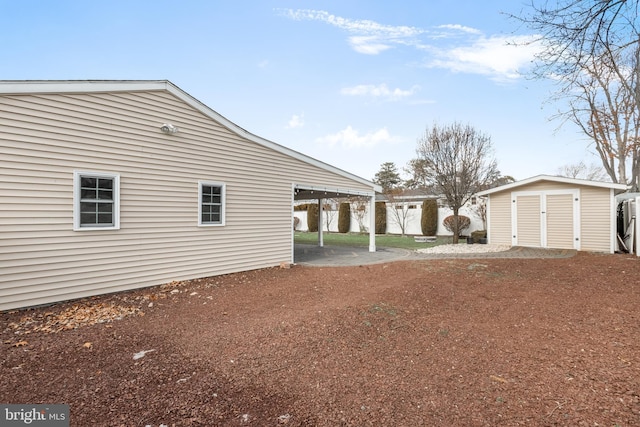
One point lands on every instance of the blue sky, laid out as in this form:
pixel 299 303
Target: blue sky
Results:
pixel 352 83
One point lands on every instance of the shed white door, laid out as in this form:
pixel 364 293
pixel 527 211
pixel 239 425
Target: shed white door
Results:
pixel 548 219
pixel 559 216
pixel 528 222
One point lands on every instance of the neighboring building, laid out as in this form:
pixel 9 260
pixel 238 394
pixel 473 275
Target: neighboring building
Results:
pixel 114 185
pixel 554 212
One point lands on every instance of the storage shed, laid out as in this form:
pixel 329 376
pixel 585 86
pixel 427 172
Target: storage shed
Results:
pixel 114 185
pixel 553 212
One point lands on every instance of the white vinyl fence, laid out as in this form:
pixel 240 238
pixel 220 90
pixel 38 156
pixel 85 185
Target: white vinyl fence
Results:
pixel 411 211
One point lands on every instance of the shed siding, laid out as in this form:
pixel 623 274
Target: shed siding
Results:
pixel 528 221
pixel 597 231
pixel 559 216
pixel 499 232
pixel 45 138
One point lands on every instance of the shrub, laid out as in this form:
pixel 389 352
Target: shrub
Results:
pixel 312 217
pixel 429 217
pixel 344 217
pixel 450 223
pixel 381 217
pixel 478 234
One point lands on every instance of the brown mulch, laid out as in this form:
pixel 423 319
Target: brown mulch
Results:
pixel 485 342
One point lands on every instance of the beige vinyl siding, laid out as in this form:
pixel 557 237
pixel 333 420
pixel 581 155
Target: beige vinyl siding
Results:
pixel 597 232
pixel 590 218
pixel 559 216
pixel 528 221
pixel 542 186
pixel 45 138
pixel 500 219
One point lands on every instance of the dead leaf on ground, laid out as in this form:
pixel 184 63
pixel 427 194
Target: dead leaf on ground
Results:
pixel 496 378
pixel 20 344
pixel 87 345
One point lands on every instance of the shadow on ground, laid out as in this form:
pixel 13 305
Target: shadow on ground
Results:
pixel 336 256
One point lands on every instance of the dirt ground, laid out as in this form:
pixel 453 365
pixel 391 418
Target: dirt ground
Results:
pixel 485 342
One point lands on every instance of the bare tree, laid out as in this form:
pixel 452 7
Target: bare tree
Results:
pixel 418 171
pixel 607 113
pixel 359 211
pixel 581 170
pixel 399 208
pixel 591 49
pixel 575 32
pixel 460 161
pixel 329 212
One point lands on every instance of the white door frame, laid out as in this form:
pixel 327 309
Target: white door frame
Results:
pixel 575 194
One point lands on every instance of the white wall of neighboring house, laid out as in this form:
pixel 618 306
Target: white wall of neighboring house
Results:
pixel 412 226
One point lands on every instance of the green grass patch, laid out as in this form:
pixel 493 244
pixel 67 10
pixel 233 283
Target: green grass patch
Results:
pixel 358 239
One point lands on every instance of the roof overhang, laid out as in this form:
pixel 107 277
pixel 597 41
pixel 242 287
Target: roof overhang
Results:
pixel 558 179
pixel 310 192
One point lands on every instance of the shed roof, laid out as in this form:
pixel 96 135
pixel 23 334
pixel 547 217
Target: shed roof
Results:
pixel 16 87
pixel 559 179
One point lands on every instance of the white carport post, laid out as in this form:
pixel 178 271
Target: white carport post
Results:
pixel 635 228
pixel 372 223
pixel 320 220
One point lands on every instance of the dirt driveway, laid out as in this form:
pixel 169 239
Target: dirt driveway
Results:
pixel 466 342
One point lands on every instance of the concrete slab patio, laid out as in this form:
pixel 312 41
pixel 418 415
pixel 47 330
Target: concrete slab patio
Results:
pixel 332 256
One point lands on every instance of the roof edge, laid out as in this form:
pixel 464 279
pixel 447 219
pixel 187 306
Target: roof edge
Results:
pixel 9 87
pixel 561 179
pixel 17 87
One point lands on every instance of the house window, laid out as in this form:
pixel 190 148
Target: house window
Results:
pixel 96 201
pixel 211 203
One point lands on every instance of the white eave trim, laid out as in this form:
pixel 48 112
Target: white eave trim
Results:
pixel 564 180
pixel 16 87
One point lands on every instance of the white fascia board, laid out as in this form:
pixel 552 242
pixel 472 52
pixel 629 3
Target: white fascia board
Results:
pixel 561 179
pixel 79 86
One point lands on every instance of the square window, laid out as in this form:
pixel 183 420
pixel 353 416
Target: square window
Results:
pixel 96 201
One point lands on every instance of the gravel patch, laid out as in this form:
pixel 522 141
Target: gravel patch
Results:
pixel 463 248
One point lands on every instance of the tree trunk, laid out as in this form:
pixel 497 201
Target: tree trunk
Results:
pixel 456 226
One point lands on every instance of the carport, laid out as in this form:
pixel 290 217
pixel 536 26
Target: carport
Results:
pixel 310 192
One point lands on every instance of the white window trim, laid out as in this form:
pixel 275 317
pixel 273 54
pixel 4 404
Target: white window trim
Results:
pixel 223 208
pixel 76 200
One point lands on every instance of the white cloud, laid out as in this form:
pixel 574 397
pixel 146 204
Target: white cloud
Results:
pixel 296 121
pixel 351 138
pixel 379 91
pixel 459 28
pixel 451 46
pixel 361 26
pixel 501 58
pixel 368 45
pixel 263 64
pixel 369 37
